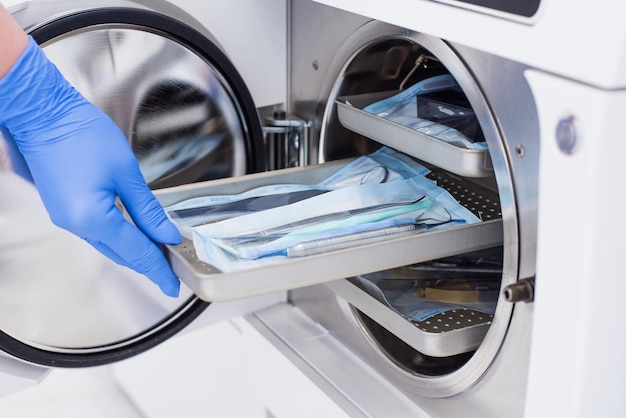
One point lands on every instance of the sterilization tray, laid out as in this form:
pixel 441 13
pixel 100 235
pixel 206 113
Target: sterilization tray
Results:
pixel 443 335
pixel 462 161
pixel 212 285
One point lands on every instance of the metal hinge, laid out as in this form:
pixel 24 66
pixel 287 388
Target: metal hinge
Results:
pixel 286 140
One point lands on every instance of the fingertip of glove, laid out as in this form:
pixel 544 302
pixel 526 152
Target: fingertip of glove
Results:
pixel 171 289
pixel 169 234
pixel 175 238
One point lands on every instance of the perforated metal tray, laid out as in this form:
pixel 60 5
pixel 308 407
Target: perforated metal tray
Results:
pixel 212 285
pixel 446 334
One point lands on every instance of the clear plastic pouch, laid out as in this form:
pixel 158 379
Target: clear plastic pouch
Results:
pixel 420 292
pixel 402 108
pixel 383 166
pixel 416 200
pixel 376 197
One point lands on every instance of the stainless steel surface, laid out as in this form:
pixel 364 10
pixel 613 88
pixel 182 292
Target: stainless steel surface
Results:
pixel 286 140
pixel 180 116
pixel 484 205
pixel 356 56
pixel 184 123
pixel 354 387
pixel 461 161
pixel 432 344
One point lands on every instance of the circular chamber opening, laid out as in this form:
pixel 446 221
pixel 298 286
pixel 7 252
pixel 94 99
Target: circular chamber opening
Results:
pixel 456 300
pixel 184 108
pixel 188 116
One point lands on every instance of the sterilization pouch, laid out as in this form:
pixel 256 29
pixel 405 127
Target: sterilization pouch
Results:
pixel 244 242
pixel 401 108
pixel 418 309
pixel 382 166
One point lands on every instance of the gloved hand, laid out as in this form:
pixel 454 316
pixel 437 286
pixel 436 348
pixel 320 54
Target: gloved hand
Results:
pixel 81 162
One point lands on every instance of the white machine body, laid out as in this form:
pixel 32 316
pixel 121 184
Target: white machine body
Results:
pixel 575 362
pixel 576 59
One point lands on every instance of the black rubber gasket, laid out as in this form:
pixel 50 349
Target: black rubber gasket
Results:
pixel 195 41
pixel 97 356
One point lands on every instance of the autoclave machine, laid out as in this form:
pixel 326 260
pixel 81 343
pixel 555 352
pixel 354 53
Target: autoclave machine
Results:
pixel 550 126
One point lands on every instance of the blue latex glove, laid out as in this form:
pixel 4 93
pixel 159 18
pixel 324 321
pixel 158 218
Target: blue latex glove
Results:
pixel 81 162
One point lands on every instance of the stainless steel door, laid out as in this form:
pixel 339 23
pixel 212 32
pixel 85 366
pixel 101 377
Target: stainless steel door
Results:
pixel 189 117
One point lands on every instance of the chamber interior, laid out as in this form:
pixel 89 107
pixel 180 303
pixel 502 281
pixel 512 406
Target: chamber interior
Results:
pixel 385 66
pixel 451 301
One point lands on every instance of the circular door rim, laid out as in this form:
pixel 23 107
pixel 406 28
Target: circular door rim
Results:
pixel 469 374
pixel 63 24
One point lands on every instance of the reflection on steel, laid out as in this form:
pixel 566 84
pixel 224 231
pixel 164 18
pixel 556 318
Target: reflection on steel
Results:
pixel 184 123
pixel 175 109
